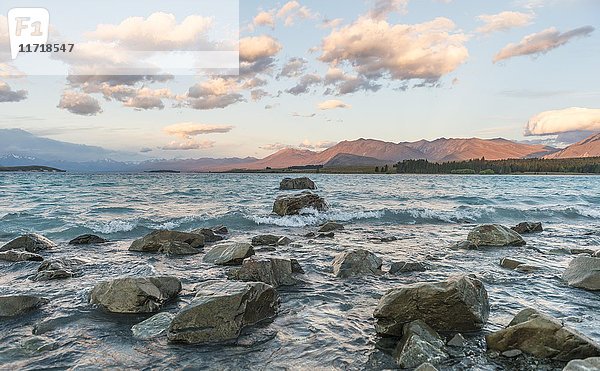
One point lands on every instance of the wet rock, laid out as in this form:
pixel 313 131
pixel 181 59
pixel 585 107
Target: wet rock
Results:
pixel 39 344
pixel 310 235
pixel 15 305
pixel 583 272
pixel 298 183
pixel 169 242
pixel 221 310
pixel 426 367
pixel 209 235
pixel 527 268
pixel 326 235
pixel 135 294
pixel 356 263
pixel 542 336
pixel 153 327
pixel 527 227
pixel 330 226
pixel 296 267
pixel 419 344
pixel 494 235
pixel 589 364
pixel 512 353
pixel 459 304
pixel 463 245
pixel 270 240
pixel 220 229
pixel 56 269
pixel 32 242
pixel 577 251
pixel 407 266
pixel 229 253
pixel 510 263
pixel 597 254
pixel 273 271
pixel 256 337
pixel 457 341
pixel 19 256
pixel 388 239
pixel 293 204
pixel 87 239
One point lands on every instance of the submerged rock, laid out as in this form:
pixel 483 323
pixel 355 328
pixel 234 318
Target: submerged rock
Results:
pixel 19 256
pixel 229 253
pixel 407 266
pixel 518 266
pixel 426 367
pixel 154 326
pixel 330 226
pixel 527 227
pixel 169 242
pixel 297 183
pixel 31 242
pixel 270 240
pixel 326 235
pixel 15 305
pixel 56 269
pixel 135 295
pixel 494 235
pixel 459 304
pixel 87 239
pixel 355 263
pixel 293 204
pixel 583 272
pixel 419 344
pixel 542 336
pixel 273 271
pixel 588 364
pixel 221 310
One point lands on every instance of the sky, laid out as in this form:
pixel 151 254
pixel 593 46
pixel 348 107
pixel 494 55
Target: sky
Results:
pixel 313 73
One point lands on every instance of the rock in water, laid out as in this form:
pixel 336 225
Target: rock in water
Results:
pixel 426 367
pixel 494 235
pixel 32 242
pixel 419 344
pixel 209 235
pixel 14 305
pixel 220 229
pixel 292 205
pixel 583 272
pixel 298 183
pixel 527 227
pixel 356 263
pixel 154 326
pixel 542 336
pixel 55 269
pixel 169 242
pixel 272 271
pixel 135 295
pixel 87 239
pixel 330 226
pixel 510 263
pixel 222 310
pixel 270 240
pixel 459 304
pixel 19 256
pixel 407 266
pixel 589 364
pixel 229 253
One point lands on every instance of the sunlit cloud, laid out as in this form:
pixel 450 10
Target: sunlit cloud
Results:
pixel 333 104
pixel 79 103
pixel 189 129
pixel 503 21
pixel 562 121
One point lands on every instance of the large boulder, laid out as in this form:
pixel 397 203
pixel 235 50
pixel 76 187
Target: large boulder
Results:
pixel 31 242
pixel 19 256
pixel 330 227
pixel 588 364
pixel 527 227
pixel 297 183
pixel 135 294
pixel 270 240
pixel 229 253
pixel 87 239
pixel 356 263
pixel 419 344
pixel 459 304
pixel 542 336
pixel 294 204
pixel 221 310
pixel 56 269
pixel 494 235
pixel 154 326
pixel 583 272
pixel 14 305
pixel 272 271
pixel 169 242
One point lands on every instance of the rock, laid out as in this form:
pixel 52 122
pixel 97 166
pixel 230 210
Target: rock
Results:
pixel 457 341
pixel 494 235
pixel 459 304
pixel 388 239
pixel 87 239
pixel 220 229
pixel 326 235
pixel 32 242
pixel 273 271
pixel 221 310
pixel 15 305
pixel 589 364
pixel 419 344
pixel 512 353
pixel 55 269
pixel 294 204
pixel 330 226
pixel 583 272
pixel 19 256
pixel 355 263
pixel 527 227
pixel 597 254
pixel 298 183
pixel 229 253
pixel 463 245
pixel 135 295
pixel 169 242
pixel 510 263
pixel 426 367
pixel 310 235
pixel 542 336
pixel 296 267
pixel 209 235
pixel 578 250
pixel 407 266
pixel 270 240
pixel 527 268
pixel 39 344
pixel 153 327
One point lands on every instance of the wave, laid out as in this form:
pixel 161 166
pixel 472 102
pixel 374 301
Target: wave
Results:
pixel 314 217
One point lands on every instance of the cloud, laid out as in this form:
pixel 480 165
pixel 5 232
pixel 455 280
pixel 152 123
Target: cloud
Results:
pixel 146 149
pixel 143 98
pixel 304 85
pixel 333 104
pixel 309 115
pixel 188 145
pixel 562 121
pixel 503 21
pixel 274 146
pixel 9 95
pixel 79 103
pixel 331 23
pixel 291 11
pixel 190 129
pixel 255 48
pixel 264 19
pixel 211 94
pixel 382 8
pixel 321 145
pixel 295 67
pixel 258 94
pixel 541 42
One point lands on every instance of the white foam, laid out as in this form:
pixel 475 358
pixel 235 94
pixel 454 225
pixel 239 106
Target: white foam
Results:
pixel 314 217
pixel 114 226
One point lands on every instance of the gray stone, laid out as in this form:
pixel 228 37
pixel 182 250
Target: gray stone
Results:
pixel 527 268
pixel 527 227
pixel 87 239
pixel 229 253
pixel 273 271
pixel 326 235
pixel 494 235
pixel 220 229
pixel 209 235
pixel 153 327
pixel 298 183
pixel 510 263
pixel 457 341
pixel 459 304
pixel 463 245
pixel 407 266
pixel 56 269
pixel 15 305
pixel 294 204
pixel 512 353
pixel 270 240
pixel 169 242
pixel 597 254
pixel 542 336
pixel 588 364
pixel 32 242
pixel 135 294
pixel 426 367
pixel 419 344
pixel 356 263
pixel 19 256
pixel 583 272
pixel 330 227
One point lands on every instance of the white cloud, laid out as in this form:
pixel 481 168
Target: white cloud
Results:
pixel 258 47
pixel 333 104
pixel 79 103
pixel 503 21
pixel 211 94
pixel 9 95
pixel 188 145
pixel 294 67
pixel 303 86
pixel 562 121
pixel 265 19
pixel 321 145
pixel 382 8
pixel 541 42
pixel 190 129
pixel 291 11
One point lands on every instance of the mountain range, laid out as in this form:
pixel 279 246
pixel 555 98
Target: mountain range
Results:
pixel 21 148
